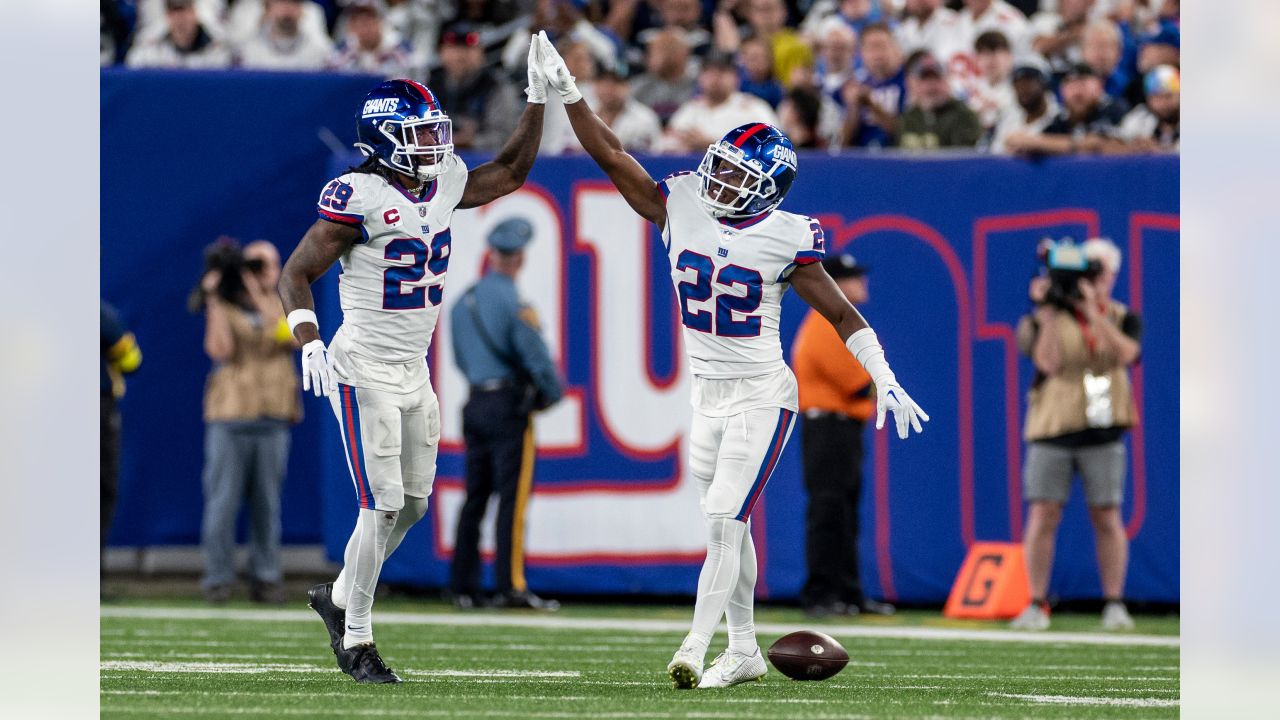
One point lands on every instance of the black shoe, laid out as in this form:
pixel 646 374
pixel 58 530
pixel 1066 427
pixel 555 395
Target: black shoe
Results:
pixel 875 607
pixel 468 601
pixel 218 594
pixel 829 609
pixel 363 663
pixel 267 593
pixel 334 617
pixel 526 600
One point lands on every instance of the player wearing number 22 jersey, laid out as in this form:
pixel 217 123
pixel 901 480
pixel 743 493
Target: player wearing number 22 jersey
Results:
pixel 387 222
pixel 733 256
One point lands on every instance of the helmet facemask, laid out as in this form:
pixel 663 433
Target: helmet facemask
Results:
pixel 422 145
pixel 732 184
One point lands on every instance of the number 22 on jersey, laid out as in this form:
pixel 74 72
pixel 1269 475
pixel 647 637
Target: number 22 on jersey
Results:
pixel 708 282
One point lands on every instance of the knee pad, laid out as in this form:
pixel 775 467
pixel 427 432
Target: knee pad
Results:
pixel 415 508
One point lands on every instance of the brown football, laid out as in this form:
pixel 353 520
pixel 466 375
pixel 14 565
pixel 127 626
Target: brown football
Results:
pixel 808 655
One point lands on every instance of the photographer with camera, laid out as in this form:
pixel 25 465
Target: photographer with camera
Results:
pixel 1082 342
pixel 250 400
pixel 499 348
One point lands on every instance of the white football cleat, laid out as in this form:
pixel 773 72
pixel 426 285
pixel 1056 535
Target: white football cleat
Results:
pixel 1115 616
pixel 1034 618
pixel 685 668
pixel 734 668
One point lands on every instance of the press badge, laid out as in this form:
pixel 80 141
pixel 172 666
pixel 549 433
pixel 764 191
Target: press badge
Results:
pixel 1098 410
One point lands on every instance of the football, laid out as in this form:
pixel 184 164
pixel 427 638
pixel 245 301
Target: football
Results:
pixel 808 655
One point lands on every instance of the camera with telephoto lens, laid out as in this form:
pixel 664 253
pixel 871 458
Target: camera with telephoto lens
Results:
pixel 1066 265
pixel 225 256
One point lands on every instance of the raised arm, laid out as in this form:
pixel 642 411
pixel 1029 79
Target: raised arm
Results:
pixel 505 173
pixel 635 184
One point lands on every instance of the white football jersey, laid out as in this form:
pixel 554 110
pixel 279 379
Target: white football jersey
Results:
pixel 729 280
pixel 392 280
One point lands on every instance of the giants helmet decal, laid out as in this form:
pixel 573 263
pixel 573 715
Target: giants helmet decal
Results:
pixel 402 124
pixel 748 172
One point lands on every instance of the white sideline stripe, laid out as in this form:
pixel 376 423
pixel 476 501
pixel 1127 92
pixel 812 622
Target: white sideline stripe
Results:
pixel 1073 700
pixel 648 625
pixel 257 668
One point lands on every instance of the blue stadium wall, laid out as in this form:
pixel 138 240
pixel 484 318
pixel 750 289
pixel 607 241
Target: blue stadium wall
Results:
pixel 190 156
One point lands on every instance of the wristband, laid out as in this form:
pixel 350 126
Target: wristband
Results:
pixel 867 351
pixel 302 315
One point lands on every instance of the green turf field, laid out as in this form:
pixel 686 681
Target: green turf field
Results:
pixel 184 660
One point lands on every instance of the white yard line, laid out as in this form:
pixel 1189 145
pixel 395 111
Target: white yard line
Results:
pixel 1075 700
pixel 647 625
pixel 257 668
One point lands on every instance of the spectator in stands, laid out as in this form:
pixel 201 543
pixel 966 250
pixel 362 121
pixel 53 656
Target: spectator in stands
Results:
pixel 766 20
pixel 683 16
pixel 718 109
pixel 876 98
pixel 1160 48
pixel 281 44
pixel 800 115
pixel 250 399
pixel 979 16
pixel 637 127
pixel 418 23
pixel 755 70
pixel 1153 125
pixel 837 400
pixel 120 356
pixel 245 18
pixel 483 107
pixel 369 47
pixel 1079 408
pixel 1058 35
pixel 1102 48
pixel 1088 121
pixel 990 93
pixel 114 28
pixel 837 53
pixel 1036 105
pixel 930 26
pixel 856 14
pixel 150 21
pixel 669 77
pixel 935 119
pixel 562 20
pixel 185 44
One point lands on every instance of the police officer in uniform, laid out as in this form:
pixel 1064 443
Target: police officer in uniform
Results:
pixel 499 349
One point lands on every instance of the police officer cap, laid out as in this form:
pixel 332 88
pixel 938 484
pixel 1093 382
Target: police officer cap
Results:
pixel 843 266
pixel 511 235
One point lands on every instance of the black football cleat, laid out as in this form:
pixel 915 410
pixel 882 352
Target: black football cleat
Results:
pixel 334 617
pixel 363 663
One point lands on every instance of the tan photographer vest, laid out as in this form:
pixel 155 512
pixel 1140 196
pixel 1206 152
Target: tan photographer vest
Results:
pixel 1057 406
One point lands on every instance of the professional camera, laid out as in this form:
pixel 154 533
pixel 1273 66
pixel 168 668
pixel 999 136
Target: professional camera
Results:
pixel 1066 265
pixel 225 256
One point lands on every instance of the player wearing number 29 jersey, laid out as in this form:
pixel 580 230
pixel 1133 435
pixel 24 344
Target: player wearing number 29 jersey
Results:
pixel 733 256
pixel 388 223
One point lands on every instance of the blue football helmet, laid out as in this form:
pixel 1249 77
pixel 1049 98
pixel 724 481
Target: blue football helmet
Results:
pixel 402 125
pixel 748 172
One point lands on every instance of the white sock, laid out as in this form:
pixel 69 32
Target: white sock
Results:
pixel 741 612
pixel 717 579
pixel 415 508
pixel 363 563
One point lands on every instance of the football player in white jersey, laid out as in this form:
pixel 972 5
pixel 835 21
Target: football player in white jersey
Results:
pixel 733 255
pixel 387 222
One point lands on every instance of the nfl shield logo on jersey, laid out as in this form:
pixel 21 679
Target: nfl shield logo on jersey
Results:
pixel 422 211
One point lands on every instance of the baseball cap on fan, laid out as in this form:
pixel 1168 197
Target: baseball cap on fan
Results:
pixel 843 265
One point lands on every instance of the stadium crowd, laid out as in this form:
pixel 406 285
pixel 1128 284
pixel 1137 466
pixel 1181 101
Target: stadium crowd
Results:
pixel 1031 77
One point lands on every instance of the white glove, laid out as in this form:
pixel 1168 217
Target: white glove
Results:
pixel 906 413
pixel 889 394
pixel 556 73
pixel 537 90
pixel 317 370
